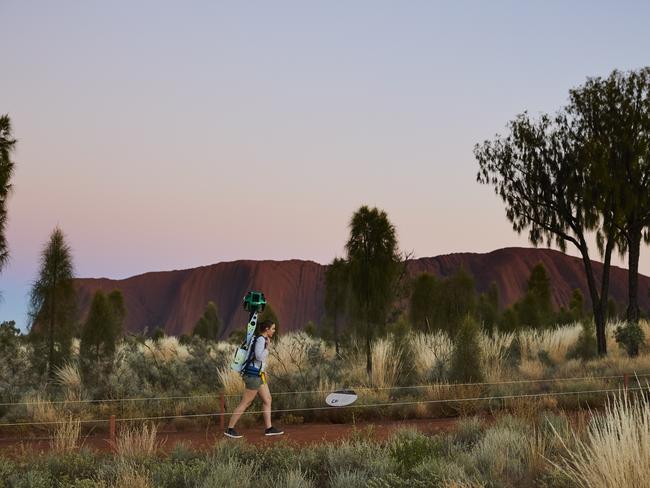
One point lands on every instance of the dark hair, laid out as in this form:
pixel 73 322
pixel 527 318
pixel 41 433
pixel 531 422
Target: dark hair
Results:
pixel 263 327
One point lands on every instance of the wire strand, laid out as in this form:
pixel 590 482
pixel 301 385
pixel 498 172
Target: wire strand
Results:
pixel 306 409
pixel 358 388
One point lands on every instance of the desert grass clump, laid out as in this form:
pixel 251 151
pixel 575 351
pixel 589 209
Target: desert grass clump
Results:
pixel 431 354
pixel 134 442
pixel 39 409
pixel 68 377
pixel 231 381
pixel 616 451
pixel 66 436
pixel 132 476
pixel 386 364
pixel 164 350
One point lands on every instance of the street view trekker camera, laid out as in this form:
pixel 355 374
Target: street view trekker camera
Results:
pixel 254 301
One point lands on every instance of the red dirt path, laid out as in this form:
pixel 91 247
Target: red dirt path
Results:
pixel 304 434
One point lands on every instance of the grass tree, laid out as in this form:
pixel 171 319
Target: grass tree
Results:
pixel 374 268
pixel 53 302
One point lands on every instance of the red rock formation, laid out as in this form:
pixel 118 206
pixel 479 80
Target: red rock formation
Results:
pixel 174 300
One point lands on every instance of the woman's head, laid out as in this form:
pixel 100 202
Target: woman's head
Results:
pixel 266 328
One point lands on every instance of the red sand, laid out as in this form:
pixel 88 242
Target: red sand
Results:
pixel 305 434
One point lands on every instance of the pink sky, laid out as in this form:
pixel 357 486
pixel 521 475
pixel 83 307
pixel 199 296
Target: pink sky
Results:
pixel 163 137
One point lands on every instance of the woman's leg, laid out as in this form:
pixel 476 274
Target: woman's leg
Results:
pixel 265 395
pixel 246 399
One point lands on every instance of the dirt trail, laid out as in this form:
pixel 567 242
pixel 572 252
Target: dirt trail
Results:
pixel 305 434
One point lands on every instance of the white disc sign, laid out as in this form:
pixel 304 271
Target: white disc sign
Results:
pixel 341 398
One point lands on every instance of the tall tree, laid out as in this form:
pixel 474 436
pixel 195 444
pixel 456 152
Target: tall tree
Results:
pixel 423 304
pixel 336 295
pixel 53 300
pixel 487 308
pixel 616 116
pixel 535 310
pixel 7 146
pixel 209 325
pixel 103 326
pixel 374 267
pixel 553 186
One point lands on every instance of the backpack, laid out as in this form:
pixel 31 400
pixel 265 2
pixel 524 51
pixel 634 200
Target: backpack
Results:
pixel 242 355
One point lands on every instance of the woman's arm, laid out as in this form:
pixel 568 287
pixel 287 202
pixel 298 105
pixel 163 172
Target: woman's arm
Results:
pixel 261 352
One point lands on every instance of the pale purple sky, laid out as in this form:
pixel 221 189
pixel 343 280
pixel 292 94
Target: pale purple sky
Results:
pixel 168 135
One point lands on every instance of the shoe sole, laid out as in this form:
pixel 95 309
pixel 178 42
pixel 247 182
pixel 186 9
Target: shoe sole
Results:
pixel 275 433
pixel 233 436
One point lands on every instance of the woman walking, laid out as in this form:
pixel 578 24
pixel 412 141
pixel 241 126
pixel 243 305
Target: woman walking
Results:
pixel 255 380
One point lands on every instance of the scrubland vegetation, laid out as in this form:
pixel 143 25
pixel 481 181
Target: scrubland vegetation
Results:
pixel 541 449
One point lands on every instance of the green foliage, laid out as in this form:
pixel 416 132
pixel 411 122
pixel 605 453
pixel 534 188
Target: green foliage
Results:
pixel 53 304
pixel 158 333
pixel 408 448
pixel 336 295
pixel 576 306
pixel 99 335
pixel 595 151
pixel 466 358
pixel 585 347
pixel 7 146
pixel 630 336
pixel 535 309
pixel 487 308
pixel 374 267
pixel 612 309
pixel 422 301
pixel 442 305
pixel 209 325
pixel 269 314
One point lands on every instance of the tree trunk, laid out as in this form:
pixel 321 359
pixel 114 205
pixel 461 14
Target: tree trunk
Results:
pixel 604 292
pixel 336 336
pixel 599 316
pixel 368 349
pixel 634 249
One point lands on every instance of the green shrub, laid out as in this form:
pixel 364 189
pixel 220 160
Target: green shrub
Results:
pixel 179 474
pixel 348 478
pixel 630 337
pixel 224 473
pixel 409 448
pixel 586 347
pixel 36 477
pixel 466 361
pixel 7 468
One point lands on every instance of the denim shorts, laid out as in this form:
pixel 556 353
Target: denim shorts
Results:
pixel 252 382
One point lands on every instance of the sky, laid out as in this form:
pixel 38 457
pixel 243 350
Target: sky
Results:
pixel 169 135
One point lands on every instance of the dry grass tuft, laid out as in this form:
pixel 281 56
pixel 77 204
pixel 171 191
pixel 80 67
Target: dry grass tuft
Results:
pixel 385 364
pixel 134 441
pixel 164 350
pixel 69 378
pixel 40 410
pixel 616 451
pixel 130 476
pixel 231 381
pixel 66 436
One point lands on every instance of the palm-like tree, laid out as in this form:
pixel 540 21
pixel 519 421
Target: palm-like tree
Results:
pixel 53 301
pixel 7 145
pixel 373 260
